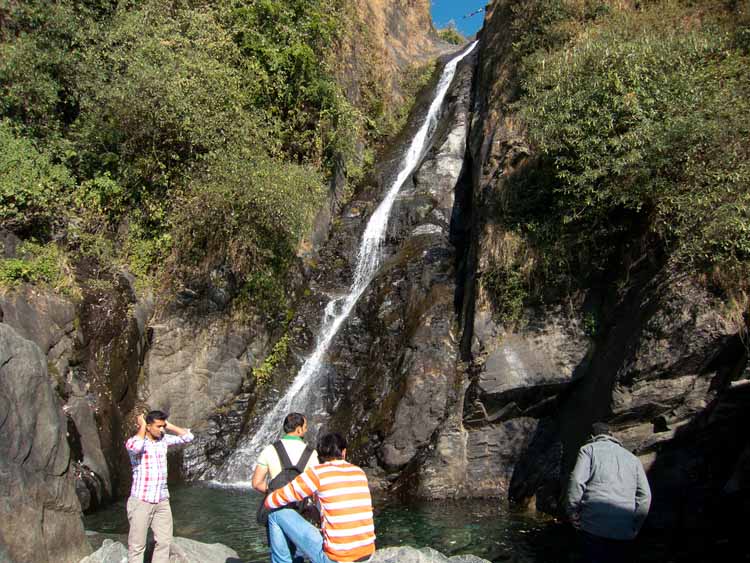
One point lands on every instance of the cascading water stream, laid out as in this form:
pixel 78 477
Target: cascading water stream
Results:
pixel 369 258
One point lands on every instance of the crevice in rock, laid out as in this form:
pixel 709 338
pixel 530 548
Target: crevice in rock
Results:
pixel 74 441
pixel 460 232
pixel 6 362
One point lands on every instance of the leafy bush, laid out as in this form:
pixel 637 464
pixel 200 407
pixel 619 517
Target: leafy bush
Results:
pixel 277 355
pixel 161 88
pixel 246 213
pixel 547 25
pixel 33 189
pixel 284 44
pixel 145 251
pixel 507 291
pixel 644 119
pixel 40 265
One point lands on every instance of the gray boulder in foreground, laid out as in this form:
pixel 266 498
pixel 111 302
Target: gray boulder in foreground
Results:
pixel 189 551
pixel 183 551
pixel 424 555
pixel 109 552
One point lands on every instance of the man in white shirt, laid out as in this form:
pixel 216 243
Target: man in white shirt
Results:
pixel 282 461
pixel 269 465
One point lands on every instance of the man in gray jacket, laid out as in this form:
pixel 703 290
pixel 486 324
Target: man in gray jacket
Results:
pixel 608 497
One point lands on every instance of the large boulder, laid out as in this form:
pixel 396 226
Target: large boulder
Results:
pixel 191 551
pixel 94 345
pixel 40 516
pixel 109 552
pixel 196 365
pixel 183 550
pixel 424 555
pixel 47 320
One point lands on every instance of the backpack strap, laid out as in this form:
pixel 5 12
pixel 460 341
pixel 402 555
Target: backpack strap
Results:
pixel 286 463
pixel 304 458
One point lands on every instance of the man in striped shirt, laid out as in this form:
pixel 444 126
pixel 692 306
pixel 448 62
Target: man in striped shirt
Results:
pixel 346 510
pixel 148 505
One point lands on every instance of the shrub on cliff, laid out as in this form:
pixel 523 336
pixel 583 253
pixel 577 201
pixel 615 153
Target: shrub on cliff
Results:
pixel 160 87
pixel 246 214
pixel 33 189
pixel 39 264
pixel 646 116
pixel 284 44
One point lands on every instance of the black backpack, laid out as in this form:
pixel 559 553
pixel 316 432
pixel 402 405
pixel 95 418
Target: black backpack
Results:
pixel 288 472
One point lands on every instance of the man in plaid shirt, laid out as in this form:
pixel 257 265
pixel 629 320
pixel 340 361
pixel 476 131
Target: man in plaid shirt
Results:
pixel 148 505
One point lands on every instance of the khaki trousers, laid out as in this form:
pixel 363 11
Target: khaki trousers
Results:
pixel 142 516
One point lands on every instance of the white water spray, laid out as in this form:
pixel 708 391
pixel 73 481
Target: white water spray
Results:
pixel 369 259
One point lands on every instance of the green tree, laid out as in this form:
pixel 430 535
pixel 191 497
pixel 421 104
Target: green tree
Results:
pixel 161 89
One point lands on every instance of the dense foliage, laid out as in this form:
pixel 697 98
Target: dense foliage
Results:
pixel 38 264
pixel 175 137
pixel 32 186
pixel 641 119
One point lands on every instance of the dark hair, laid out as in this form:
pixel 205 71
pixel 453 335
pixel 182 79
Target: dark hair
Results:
pixel 155 415
pixel 293 421
pixel 599 428
pixel 331 446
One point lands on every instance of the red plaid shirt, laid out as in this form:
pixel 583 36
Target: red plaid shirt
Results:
pixel 149 461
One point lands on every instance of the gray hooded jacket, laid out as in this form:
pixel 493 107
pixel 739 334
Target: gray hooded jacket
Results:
pixel 608 493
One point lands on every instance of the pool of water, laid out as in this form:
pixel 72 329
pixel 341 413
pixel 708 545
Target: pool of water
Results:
pixel 485 528
pixel 488 529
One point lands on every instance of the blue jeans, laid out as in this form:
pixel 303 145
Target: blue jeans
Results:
pixel 295 553
pixel 285 526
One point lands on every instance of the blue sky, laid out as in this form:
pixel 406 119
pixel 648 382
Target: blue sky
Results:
pixel 443 11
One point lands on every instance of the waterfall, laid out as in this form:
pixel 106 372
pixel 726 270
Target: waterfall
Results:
pixel 369 258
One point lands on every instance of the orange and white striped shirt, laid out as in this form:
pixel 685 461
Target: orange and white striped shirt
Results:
pixel 346 507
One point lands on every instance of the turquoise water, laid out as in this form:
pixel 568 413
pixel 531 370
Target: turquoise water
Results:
pixel 488 529
pixel 227 516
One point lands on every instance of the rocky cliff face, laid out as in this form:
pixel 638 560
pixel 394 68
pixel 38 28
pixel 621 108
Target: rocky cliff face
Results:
pixel 665 365
pixel 40 512
pixel 387 37
pixel 440 395
pixel 93 345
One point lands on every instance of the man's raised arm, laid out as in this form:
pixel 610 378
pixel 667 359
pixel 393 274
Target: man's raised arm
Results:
pixel 135 443
pixel 177 435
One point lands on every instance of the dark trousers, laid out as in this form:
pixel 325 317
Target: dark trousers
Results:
pixel 597 549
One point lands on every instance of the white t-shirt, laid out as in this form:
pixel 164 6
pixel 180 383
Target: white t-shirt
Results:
pixel 294 447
